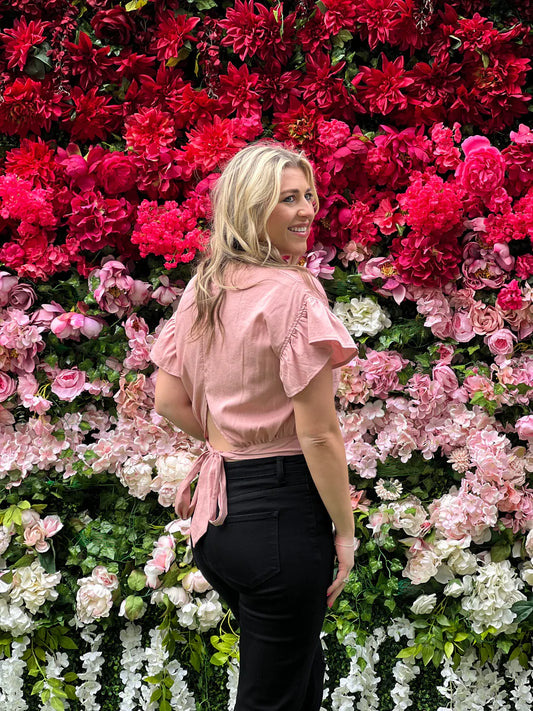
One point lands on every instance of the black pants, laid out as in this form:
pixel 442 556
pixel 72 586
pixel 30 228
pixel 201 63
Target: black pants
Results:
pixel 272 561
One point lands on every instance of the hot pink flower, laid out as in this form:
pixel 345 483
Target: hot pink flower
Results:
pixel 68 384
pixel 510 297
pixel 483 170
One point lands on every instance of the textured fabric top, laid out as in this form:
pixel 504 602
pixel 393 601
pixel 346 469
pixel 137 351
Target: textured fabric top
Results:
pixel 278 334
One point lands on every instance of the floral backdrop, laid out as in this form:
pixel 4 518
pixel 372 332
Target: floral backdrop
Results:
pixel 115 119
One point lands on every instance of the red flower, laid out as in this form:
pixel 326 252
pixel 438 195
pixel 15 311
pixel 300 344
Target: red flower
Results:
pixel 267 33
pixel 189 105
pixel 396 155
pixel 96 221
pixel 276 87
pixel 172 33
pixel 381 90
pixel 519 160
pixel 379 20
pixel 432 206
pixel 524 266
pixel 91 116
pixel 28 106
pixel 212 143
pixel 298 126
pixel 20 39
pixel 426 260
pixel 34 161
pixel 323 88
pixel 113 24
pixel 92 65
pixel 357 223
pixel 339 15
pixel 149 131
pixel 435 83
pixel 237 91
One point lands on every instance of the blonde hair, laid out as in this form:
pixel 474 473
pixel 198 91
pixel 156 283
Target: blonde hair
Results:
pixel 243 199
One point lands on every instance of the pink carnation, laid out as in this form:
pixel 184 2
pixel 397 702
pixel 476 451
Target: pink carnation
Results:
pixel 510 297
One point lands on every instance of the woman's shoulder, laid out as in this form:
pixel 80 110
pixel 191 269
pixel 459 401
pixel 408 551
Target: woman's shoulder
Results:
pixel 293 281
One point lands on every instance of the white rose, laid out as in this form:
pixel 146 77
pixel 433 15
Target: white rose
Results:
pixel 454 588
pixel 529 544
pixel 463 562
pixel 362 316
pixel 177 595
pixel 421 567
pixel 93 601
pixel 424 604
pixel 526 573
pixel 5 538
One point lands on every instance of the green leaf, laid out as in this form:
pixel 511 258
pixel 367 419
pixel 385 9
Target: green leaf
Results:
pixel 67 643
pixel 427 654
pixel 522 610
pixel 460 637
pixel 408 652
pixel 219 659
pixel 443 621
pixel 57 704
pixel 156 694
pixel 499 552
pixel 448 649
pixel 70 676
pixel 164 705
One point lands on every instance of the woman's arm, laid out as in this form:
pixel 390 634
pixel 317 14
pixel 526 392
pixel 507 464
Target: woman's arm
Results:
pixel 321 440
pixel 173 403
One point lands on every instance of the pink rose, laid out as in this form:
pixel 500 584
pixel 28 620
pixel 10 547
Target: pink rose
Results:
pixel 444 375
pixel 524 427
pixel 194 581
pixel 34 536
pixel 462 330
pixel 500 342
pixel 483 170
pixel 101 575
pixel 7 282
pixel 7 386
pixel 22 296
pixel 485 319
pixel 68 384
pixel 51 525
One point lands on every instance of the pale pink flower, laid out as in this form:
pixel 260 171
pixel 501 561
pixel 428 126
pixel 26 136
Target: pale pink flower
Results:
pixel 194 581
pixel 27 390
pixel 317 261
pixel 524 427
pixel 46 314
pixel 500 342
pixel 7 282
pixel 423 563
pixel 93 600
pixel 462 327
pixel 20 342
pixel 165 294
pixel 22 296
pixel 485 318
pixel 354 252
pixel 68 384
pixel 101 575
pixel 382 268
pixel 381 369
pixel 463 517
pixel 115 290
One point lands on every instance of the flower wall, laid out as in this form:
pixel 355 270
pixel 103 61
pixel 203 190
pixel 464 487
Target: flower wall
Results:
pixel 115 120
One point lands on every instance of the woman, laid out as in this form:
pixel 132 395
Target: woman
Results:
pixel 246 363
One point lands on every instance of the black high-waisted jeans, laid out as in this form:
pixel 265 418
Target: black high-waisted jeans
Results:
pixel 272 562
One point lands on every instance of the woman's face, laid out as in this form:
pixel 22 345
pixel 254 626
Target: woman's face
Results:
pixel 289 222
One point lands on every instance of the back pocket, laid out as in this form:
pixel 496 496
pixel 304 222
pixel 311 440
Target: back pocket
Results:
pixel 244 550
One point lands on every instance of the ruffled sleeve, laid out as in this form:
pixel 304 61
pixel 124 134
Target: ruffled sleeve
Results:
pixel 316 336
pixel 165 353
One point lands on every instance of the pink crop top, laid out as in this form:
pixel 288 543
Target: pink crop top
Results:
pixel 278 334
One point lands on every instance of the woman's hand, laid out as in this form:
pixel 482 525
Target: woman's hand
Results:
pixel 345 556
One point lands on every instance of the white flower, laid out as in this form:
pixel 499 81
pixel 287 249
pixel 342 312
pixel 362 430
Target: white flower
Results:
pixel 187 615
pixel 194 581
pixel 5 538
pixel 177 595
pixel 388 490
pixel 33 586
pixel 424 604
pixel 463 562
pixel 14 620
pixel 209 612
pixel 411 516
pixel 495 589
pixel 93 601
pixel 362 316
pixel 529 544
pixel 456 588
pixel 136 476
pixel 526 573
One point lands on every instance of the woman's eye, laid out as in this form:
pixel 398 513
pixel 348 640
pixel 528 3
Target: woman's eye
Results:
pixel 289 198
pixel 309 197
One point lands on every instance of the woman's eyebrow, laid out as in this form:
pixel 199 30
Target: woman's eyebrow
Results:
pixel 294 190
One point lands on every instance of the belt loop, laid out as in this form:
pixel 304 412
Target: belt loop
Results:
pixel 280 470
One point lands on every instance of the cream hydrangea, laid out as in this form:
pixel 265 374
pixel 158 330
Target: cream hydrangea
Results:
pixel 362 316
pixel 495 589
pixel 33 586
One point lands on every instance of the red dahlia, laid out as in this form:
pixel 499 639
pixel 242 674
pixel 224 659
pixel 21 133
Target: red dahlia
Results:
pixel 172 33
pixel 20 39
pixel 28 107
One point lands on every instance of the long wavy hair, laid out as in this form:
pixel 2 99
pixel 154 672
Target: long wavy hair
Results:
pixel 243 199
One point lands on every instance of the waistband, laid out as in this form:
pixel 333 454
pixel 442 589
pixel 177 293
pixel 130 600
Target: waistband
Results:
pixel 282 464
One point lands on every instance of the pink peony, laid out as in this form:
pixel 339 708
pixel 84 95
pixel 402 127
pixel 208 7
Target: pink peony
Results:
pixel 483 170
pixel 93 600
pixel 68 384
pixel 71 324
pixel 500 342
